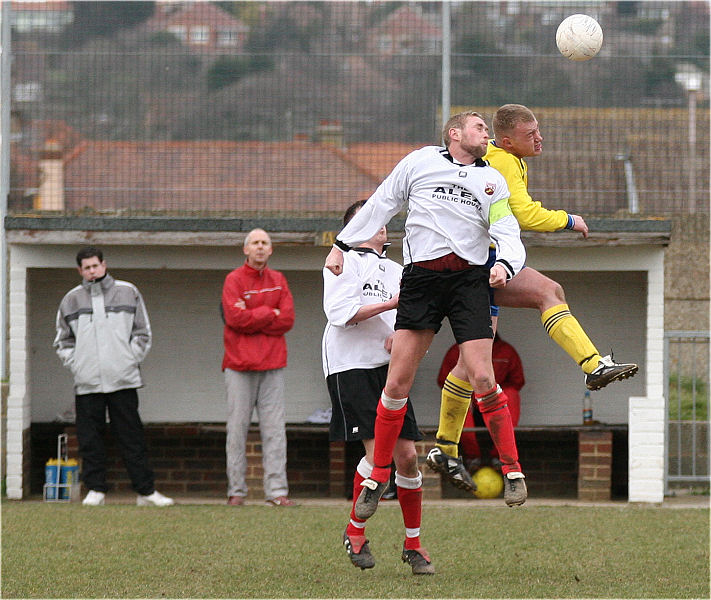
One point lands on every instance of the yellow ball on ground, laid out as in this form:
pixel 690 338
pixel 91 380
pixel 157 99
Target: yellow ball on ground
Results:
pixel 489 483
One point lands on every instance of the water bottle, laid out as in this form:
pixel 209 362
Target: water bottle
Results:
pixel 587 409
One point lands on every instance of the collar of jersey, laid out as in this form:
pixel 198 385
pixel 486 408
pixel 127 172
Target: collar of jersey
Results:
pixel 365 250
pixel 479 162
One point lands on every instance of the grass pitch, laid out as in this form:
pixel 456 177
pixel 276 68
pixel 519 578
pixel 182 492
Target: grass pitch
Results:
pixel 255 551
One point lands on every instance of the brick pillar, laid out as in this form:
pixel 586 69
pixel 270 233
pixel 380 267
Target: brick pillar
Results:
pixel 255 471
pixel 72 442
pixel 431 481
pixel 337 469
pixel 595 465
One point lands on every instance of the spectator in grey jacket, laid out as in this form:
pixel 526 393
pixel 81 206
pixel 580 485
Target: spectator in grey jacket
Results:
pixel 103 334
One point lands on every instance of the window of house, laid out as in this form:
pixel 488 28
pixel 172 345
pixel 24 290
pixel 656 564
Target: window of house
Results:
pixel 199 35
pixel 179 32
pixel 227 37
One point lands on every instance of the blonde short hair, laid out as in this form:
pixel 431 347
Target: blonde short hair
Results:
pixel 510 115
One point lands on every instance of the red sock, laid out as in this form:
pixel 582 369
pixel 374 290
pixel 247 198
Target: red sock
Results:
pixel 495 411
pixel 352 530
pixel 468 442
pixel 411 506
pixel 388 424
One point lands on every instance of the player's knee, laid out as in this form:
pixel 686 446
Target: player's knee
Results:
pixel 551 292
pixel 406 461
pixel 492 400
pixel 398 388
pixel 482 381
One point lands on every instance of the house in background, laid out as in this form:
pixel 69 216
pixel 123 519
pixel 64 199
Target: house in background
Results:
pixel 406 30
pixel 47 17
pixel 202 26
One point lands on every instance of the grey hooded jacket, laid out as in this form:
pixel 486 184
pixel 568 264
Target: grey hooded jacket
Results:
pixel 103 334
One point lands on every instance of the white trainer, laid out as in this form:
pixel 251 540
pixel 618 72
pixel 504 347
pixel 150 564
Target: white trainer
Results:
pixel 94 498
pixel 154 499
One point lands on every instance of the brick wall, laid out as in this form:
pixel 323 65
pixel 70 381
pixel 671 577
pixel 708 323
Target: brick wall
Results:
pixel 190 459
pixel 550 461
pixel 595 466
pixel 548 458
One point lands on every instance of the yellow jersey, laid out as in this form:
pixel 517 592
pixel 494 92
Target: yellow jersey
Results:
pixel 530 213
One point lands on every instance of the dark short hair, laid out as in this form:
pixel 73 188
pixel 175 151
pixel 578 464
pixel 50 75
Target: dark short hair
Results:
pixel 352 210
pixel 89 252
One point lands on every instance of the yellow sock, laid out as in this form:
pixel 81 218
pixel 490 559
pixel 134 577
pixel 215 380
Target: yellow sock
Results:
pixel 456 398
pixel 565 331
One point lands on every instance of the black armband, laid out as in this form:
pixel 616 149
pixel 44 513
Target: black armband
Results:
pixel 341 246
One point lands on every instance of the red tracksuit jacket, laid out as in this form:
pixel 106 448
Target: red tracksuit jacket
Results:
pixel 254 336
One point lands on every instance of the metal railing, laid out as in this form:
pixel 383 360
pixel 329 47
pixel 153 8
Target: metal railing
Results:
pixel 686 389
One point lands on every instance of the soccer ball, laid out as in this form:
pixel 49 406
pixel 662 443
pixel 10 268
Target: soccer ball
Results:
pixel 489 483
pixel 579 37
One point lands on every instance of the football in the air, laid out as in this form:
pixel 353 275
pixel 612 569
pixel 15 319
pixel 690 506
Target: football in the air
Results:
pixel 489 483
pixel 579 37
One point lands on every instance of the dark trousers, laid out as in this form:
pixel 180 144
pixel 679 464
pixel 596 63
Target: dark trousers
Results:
pixel 127 429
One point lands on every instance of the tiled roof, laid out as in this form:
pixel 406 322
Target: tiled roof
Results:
pixel 198 13
pixel 407 20
pixel 26 153
pixel 581 170
pixel 35 6
pixel 211 177
pixel 57 131
pixel 377 160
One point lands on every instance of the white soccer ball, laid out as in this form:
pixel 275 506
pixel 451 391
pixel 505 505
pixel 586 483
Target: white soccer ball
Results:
pixel 579 37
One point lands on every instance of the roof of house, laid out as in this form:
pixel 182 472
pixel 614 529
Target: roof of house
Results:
pixel 408 20
pixel 377 160
pixel 212 177
pixel 304 177
pixel 41 7
pixel 196 13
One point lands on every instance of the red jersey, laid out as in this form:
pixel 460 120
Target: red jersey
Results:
pixel 254 336
pixel 508 370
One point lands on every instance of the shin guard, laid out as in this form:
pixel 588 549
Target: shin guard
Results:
pixel 495 412
pixel 388 424
pixel 456 399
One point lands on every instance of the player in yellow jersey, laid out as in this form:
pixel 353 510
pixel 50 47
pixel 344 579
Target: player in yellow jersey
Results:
pixel 517 136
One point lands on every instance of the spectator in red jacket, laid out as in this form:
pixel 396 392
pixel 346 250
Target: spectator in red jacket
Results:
pixel 509 375
pixel 258 310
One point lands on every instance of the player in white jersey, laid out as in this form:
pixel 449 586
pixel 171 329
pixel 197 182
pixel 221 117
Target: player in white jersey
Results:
pixel 360 307
pixel 456 205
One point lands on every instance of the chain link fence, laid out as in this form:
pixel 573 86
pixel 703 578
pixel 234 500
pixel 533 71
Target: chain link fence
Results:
pixel 285 108
pixel 686 360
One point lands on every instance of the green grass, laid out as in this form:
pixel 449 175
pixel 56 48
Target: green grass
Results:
pixel 685 390
pixel 209 551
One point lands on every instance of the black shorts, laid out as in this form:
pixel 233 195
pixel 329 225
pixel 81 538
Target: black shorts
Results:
pixel 426 297
pixel 354 396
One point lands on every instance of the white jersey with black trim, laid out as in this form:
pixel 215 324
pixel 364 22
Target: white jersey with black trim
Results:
pixel 450 208
pixel 367 278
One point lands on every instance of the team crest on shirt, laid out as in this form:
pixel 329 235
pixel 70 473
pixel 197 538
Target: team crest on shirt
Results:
pixel 490 189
